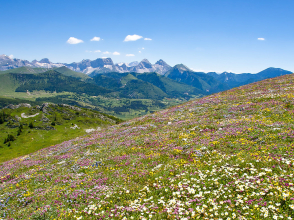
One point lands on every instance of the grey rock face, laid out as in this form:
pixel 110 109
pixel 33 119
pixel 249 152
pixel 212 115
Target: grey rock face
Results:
pixel 161 67
pixel 7 63
pixel 19 105
pixel 45 60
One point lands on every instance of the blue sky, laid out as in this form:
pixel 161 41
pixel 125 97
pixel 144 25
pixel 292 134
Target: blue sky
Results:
pixel 208 35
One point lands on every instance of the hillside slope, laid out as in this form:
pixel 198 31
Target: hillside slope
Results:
pixel 227 155
pixel 25 70
pixel 54 81
pixel 25 129
pixel 201 81
pixel 67 72
pixel 146 85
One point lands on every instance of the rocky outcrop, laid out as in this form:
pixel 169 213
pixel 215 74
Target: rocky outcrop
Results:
pixel 11 106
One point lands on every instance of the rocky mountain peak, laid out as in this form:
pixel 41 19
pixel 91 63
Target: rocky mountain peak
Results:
pixel 181 67
pixel 161 62
pixel 45 60
pixel 4 57
pixel 135 63
pixel 101 62
pixel 145 64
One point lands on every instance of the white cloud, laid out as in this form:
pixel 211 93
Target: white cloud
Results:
pixel 139 51
pixel 133 37
pixel 96 39
pixel 106 52
pixel 143 48
pixel 130 55
pixel 260 38
pixel 147 38
pixel 95 51
pixel 116 53
pixel 73 40
pixel 10 56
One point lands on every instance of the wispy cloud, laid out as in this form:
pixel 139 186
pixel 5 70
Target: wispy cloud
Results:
pixel 260 38
pixel 106 52
pixel 96 39
pixel 139 51
pixel 116 53
pixel 147 38
pixel 95 51
pixel 133 37
pixel 130 55
pixel 73 40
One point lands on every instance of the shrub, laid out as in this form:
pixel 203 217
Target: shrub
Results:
pixel 3 116
pixel 9 138
pixel 31 125
pixel 19 130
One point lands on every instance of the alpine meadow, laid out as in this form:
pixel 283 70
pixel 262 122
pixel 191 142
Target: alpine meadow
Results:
pixel 146 110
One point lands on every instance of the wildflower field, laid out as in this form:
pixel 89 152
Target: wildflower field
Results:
pixel 225 156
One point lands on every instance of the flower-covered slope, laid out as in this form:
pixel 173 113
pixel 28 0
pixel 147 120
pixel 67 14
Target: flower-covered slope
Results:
pixel 225 156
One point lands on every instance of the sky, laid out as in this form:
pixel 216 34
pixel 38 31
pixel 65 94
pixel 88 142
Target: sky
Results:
pixel 240 36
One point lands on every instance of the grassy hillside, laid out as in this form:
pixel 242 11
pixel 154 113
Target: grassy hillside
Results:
pixel 25 70
pixel 33 128
pixel 169 86
pixel 203 82
pixel 63 70
pixel 67 72
pixel 146 85
pixel 53 81
pixel 225 156
pixel 8 84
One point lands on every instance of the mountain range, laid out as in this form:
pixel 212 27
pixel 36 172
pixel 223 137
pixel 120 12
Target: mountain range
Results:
pixel 100 65
pixel 180 72
pixel 135 73
pixel 207 83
